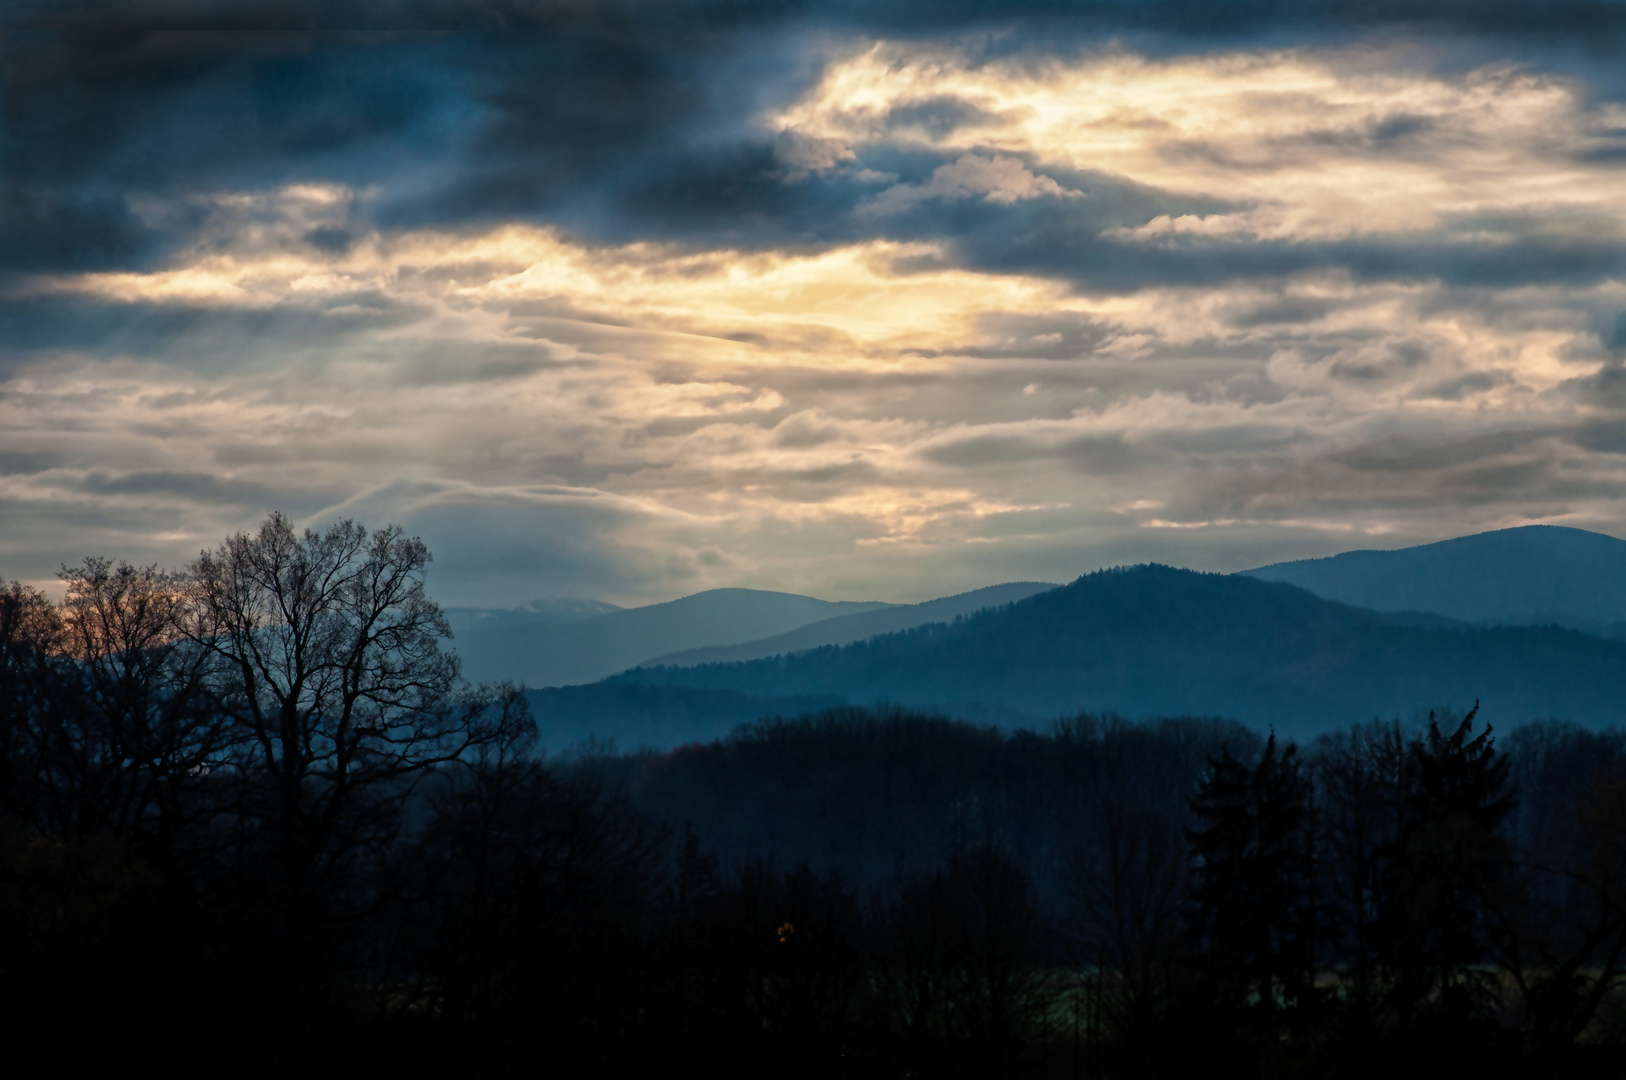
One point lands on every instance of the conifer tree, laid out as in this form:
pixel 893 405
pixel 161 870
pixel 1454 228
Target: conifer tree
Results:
pixel 1447 856
pixel 1255 888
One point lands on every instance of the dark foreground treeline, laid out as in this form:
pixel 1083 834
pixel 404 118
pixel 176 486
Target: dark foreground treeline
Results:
pixel 1192 892
pixel 249 815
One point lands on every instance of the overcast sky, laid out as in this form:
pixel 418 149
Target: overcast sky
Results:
pixel 869 301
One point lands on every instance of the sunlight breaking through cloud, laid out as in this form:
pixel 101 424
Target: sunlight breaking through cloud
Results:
pixel 970 314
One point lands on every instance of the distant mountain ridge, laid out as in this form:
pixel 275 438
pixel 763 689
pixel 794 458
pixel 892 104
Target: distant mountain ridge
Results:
pixel 1530 575
pixel 583 650
pixel 845 629
pixel 549 610
pixel 1153 640
pixel 1299 645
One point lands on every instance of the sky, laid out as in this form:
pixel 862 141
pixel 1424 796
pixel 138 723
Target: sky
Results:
pixel 627 300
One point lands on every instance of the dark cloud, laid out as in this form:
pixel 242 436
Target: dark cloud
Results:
pixel 981 450
pixel 104 117
pixel 73 231
pixel 1392 360
pixel 1061 238
pixel 843 472
pixel 616 118
pixel 1605 388
pixel 461 362
pixel 334 241
pixel 18 462
pixel 938 115
pixel 1280 309
pixel 1092 454
pixel 1408 454
pixel 738 195
pixel 533 316
pixel 1105 454
pixel 195 486
pixel 211 337
pixel 666 427
pixel 1603 436
pixel 1397 126
pixel 1520 472
pixel 1462 386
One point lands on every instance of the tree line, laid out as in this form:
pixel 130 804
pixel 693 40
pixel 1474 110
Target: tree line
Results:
pixel 1392 892
pixel 252 803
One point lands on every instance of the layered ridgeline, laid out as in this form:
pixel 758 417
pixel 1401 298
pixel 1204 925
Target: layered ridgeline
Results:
pixel 845 629
pixel 634 715
pixel 566 642
pixel 562 644
pixel 1538 574
pixel 1146 641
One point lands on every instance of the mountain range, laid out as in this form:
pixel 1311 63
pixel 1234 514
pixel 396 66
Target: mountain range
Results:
pixel 845 629
pixel 552 648
pixel 1520 619
pixel 1526 576
pixel 570 642
pixel 1156 641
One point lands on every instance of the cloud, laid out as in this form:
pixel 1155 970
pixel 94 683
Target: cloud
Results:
pixel 878 302
pixel 998 179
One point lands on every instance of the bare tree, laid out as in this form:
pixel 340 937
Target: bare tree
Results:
pixel 32 687
pixel 1130 887
pixel 134 757
pixel 1558 927
pixel 1360 778
pixel 961 970
pixel 528 879
pixel 330 664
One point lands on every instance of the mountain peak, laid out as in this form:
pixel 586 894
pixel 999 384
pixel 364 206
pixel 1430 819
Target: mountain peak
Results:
pixel 1527 574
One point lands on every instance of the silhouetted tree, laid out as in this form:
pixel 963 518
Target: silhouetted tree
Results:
pixel 790 970
pixel 961 967
pixel 528 914
pixel 102 746
pixel 38 693
pixel 1007 1000
pixel 137 757
pixel 330 665
pixel 1557 926
pixel 1131 890
pixel 918 955
pixel 1255 893
pixel 1360 774
pixel 1447 857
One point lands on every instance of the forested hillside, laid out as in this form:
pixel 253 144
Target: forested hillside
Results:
pixel 1152 640
pixel 1529 575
